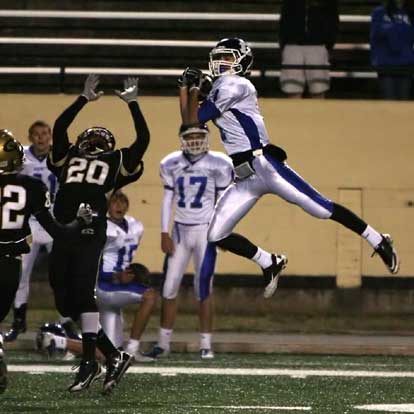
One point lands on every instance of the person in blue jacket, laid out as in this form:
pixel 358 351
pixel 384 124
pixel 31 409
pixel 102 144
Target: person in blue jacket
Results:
pixel 392 41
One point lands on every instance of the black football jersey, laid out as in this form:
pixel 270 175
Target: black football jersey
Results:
pixel 86 180
pixel 20 197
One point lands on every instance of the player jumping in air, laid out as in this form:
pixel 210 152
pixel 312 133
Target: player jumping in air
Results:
pixel 260 167
pixel 88 172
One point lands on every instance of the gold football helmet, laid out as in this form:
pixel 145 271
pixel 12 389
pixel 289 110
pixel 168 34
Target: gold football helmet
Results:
pixel 11 153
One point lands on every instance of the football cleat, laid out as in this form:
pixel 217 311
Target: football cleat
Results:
pixel 115 369
pixel 140 357
pixel 272 274
pixel 18 327
pixel 3 368
pixel 388 254
pixel 206 354
pixel 157 352
pixel 88 372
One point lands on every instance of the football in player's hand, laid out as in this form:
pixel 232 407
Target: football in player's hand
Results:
pixel 190 77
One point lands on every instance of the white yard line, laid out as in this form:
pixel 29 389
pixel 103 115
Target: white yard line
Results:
pixel 390 408
pixel 294 373
pixel 250 407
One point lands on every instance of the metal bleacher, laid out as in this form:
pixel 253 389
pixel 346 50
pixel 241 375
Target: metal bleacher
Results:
pixel 45 48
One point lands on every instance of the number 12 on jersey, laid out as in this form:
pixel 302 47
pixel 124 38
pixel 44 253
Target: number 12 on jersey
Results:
pixel 194 180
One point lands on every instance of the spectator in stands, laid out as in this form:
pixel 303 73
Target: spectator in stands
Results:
pixel 392 41
pixel 307 33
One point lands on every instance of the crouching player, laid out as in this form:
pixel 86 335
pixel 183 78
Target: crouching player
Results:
pixel 120 284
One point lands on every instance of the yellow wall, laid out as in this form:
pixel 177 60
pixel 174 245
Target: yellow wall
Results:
pixel 337 146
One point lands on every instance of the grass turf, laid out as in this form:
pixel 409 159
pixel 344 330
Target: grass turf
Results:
pixel 190 394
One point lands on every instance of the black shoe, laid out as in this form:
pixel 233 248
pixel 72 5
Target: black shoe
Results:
pixel 115 369
pixel 388 254
pixel 88 372
pixel 18 327
pixel 157 352
pixel 272 274
pixel 3 369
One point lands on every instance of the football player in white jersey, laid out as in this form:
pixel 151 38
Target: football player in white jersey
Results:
pixel 121 282
pixel 40 136
pixel 193 179
pixel 260 167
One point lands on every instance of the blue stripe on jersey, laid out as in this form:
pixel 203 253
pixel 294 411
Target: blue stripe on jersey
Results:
pixel 207 270
pixel 124 287
pixel 249 127
pixel 104 276
pixel 299 183
pixel 208 111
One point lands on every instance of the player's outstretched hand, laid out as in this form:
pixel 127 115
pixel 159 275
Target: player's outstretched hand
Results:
pixel 167 244
pixel 190 77
pixel 89 89
pixel 85 213
pixel 130 91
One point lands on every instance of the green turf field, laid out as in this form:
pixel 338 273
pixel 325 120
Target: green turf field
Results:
pixel 229 384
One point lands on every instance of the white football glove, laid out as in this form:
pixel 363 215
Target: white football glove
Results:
pixel 85 213
pixel 130 92
pixel 91 84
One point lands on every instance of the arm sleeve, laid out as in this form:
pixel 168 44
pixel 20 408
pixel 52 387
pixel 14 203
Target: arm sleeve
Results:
pixel 60 135
pixel 221 100
pixel 133 155
pixel 167 178
pixel 40 199
pixel 224 177
pixel 385 30
pixel 166 207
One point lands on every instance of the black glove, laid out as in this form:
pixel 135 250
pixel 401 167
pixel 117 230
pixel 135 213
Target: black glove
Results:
pixel 190 77
pixel 205 86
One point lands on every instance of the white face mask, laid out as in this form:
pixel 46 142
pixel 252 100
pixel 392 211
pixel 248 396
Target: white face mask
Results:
pixel 194 143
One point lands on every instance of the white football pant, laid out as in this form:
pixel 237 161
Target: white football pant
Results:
pixel 271 177
pixel 190 240
pixel 110 304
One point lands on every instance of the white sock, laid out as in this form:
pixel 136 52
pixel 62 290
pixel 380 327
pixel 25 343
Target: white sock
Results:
pixel 60 342
pixel 132 346
pixel 372 236
pixel 89 322
pixel 205 340
pixel 165 338
pixel 262 258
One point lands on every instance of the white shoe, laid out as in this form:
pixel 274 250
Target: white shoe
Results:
pixel 140 357
pixel 272 274
pixel 69 356
pixel 206 354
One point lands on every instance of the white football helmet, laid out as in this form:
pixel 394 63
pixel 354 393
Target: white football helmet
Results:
pixel 194 139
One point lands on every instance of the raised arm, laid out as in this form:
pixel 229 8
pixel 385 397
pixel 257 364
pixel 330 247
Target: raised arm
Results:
pixel 61 142
pixel 134 153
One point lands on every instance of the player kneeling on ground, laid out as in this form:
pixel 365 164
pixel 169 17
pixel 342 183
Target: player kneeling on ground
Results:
pixel 52 337
pixel 20 197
